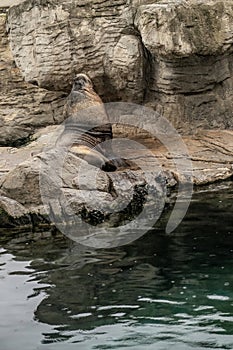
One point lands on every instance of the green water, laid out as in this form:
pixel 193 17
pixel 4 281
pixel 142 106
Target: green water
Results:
pixel 159 292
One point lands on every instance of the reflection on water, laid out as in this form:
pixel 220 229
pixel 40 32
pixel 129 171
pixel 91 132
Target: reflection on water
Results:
pixel 157 292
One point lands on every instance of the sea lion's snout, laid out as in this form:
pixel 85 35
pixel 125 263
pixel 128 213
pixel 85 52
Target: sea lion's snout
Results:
pixel 81 81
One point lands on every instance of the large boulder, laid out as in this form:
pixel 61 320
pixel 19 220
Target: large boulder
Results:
pixel 40 180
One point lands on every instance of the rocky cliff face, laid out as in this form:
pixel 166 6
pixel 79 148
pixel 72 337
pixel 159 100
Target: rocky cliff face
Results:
pixel 190 47
pixel 175 56
pixel 23 107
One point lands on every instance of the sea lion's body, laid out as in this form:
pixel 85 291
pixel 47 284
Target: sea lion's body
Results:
pixel 87 129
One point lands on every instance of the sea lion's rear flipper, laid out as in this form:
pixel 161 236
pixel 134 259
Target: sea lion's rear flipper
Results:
pixel 109 166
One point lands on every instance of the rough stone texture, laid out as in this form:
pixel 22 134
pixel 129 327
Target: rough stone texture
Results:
pixel 12 207
pixel 66 182
pixel 63 38
pixel 13 213
pixel 176 56
pixel 23 107
pixel 210 153
pixel 24 184
pixel 190 49
pixel 7 3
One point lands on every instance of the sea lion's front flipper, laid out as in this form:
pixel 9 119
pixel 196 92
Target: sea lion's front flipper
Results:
pixel 122 163
pixel 93 157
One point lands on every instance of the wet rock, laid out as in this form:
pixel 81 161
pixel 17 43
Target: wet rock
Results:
pixel 125 66
pixel 56 188
pixel 13 214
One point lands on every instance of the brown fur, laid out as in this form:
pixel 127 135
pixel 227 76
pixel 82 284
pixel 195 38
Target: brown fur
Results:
pixel 88 126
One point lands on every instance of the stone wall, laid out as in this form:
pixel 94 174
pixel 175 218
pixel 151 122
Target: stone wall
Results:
pixel 175 56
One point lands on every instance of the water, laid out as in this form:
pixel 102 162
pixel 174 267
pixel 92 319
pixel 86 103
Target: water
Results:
pixel 156 293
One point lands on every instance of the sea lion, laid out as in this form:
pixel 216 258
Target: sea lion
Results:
pixel 93 157
pixel 87 126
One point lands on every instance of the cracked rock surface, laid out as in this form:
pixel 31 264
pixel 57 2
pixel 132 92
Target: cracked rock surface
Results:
pixel 173 56
pixel 31 176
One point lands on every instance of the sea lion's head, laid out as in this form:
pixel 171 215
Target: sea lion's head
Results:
pixel 82 82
